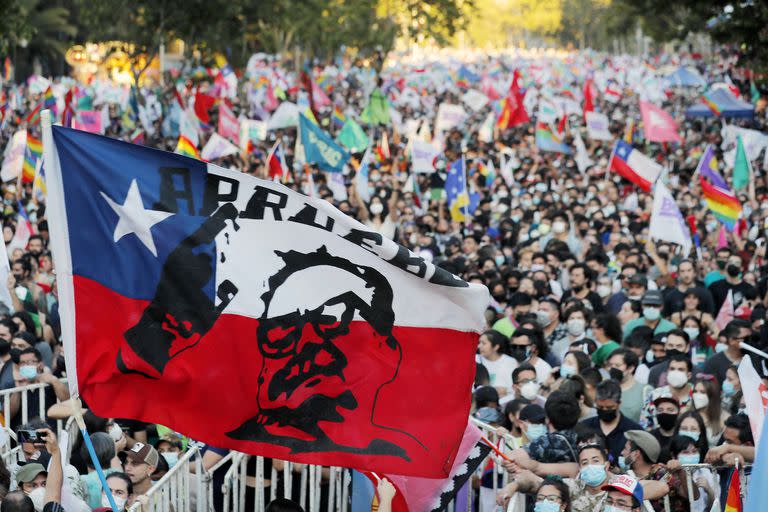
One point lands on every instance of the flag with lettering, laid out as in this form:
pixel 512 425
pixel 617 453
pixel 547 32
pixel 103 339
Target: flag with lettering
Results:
pixel 292 329
pixel 320 148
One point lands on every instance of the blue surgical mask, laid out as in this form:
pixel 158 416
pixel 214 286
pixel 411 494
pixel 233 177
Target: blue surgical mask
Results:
pixel 592 475
pixel 692 332
pixel 535 431
pixel 500 259
pixel 567 370
pixel 689 458
pixel 692 435
pixel 651 314
pixel 728 388
pixel 171 458
pixel 28 372
pixel 546 506
pixel 623 463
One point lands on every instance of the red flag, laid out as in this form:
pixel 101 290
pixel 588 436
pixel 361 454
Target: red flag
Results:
pixel 513 112
pixel 203 103
pixel 588 105
pixel 733 499
pixel 276 163
pixel 561 124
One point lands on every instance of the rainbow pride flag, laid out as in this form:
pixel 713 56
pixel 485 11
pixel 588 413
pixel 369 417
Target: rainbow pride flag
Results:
pixel 725 206
pixel 338 117
pixel 32 153
pixel 49 101
pixel 186 148
pixel 733 501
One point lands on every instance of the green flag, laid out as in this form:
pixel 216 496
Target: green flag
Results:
pixel 741 167
pixel 377 110
pixel 754 92
pixel 352 137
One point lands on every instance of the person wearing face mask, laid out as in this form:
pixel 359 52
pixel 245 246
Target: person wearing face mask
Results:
pixel 524 385
pixel 684 451
pixel 122 491
pixel 528 346
pixel 622 364
pixel 380 217
pixel 734 333
pixel 552 496
pixel 548 316
pixel 609 420
pixel 676 341
pixel 32 370
pixel 532 424
pixel 730 387
pixel 678 387
pixel 734 283
pixel 666 409
pixel 652 303
pixel 576 318
pixel 706 402
pixel 593 489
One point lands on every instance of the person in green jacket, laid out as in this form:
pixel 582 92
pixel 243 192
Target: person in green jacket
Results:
pixel 606 329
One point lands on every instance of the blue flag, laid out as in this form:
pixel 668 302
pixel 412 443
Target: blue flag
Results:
pixel 319 147
pixel 758 491
pixel 461 202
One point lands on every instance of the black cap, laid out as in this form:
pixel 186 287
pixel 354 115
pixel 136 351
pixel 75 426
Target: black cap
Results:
pixel 532 413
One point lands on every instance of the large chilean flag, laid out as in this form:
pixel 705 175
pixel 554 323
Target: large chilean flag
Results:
pixel 249 316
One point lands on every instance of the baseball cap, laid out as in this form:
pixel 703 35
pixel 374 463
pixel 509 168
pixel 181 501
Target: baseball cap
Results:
pixel 29 472
pixel 143 453
pixel 666 398
pixel 646 442
pixel 653 298
pixel 638 279
pixel 627 485
pixel 533 413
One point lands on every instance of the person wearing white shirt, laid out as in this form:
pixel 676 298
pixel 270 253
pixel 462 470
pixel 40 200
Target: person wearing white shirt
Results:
pixel 492 348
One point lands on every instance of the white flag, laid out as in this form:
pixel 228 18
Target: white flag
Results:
pixel 485 134
pixel 218 147
pixel 667 222
pixel 423 155
pixel 583 162
pixel 755 396
pixel 597 126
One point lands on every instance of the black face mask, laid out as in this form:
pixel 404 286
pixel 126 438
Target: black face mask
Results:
pixel 5 347
pixel 577 289
pixel 721 264
pixel 666 420
pixel 519 353
pixel 15 355
pixel 671 353
pixel 616 374
pixel 607 415
pixel 733 270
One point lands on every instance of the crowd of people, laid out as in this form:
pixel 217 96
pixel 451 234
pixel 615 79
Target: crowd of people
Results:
pixel 603 361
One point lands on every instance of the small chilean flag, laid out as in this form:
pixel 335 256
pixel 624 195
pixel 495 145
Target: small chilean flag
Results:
pixel 278 169
pixel 634 166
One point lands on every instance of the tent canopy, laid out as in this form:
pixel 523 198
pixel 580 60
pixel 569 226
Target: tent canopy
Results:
pixel 685 77
pixel 727 104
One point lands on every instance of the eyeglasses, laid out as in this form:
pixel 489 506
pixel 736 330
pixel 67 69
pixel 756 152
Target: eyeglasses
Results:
pixel 621 504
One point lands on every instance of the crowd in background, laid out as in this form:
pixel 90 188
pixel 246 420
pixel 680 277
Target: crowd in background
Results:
pixel 603 356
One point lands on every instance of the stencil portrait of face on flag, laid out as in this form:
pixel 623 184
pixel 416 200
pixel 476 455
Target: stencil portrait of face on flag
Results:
pixel 193 282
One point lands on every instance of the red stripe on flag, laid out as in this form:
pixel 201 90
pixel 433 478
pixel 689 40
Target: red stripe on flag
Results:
pixel 213 388
pixel 623 169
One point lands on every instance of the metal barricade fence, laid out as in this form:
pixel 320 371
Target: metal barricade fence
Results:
pixel 244 492
pixel 175 491
pixel 26 414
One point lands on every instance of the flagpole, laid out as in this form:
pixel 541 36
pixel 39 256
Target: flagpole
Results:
pixel 62 259
pixel 466 188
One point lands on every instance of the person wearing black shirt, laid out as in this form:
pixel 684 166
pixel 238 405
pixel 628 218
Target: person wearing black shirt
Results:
pixel 609 420
pixel 581 277
pixel 732 282
pixel 686 282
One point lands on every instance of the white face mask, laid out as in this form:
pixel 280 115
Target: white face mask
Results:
pixel 120 502
pixel 529 390
pixel 115 432
pixel 377 208
pixel 38 496
pixel 576 326
pixel 677 378
pixel 700 400
pixel 559 226
pixel 603 290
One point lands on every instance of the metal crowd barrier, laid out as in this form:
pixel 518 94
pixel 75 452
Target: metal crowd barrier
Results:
pixel 175 491
pixel 314 484
pixel 5 396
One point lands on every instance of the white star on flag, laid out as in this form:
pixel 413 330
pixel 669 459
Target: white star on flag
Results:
pixel 134 218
